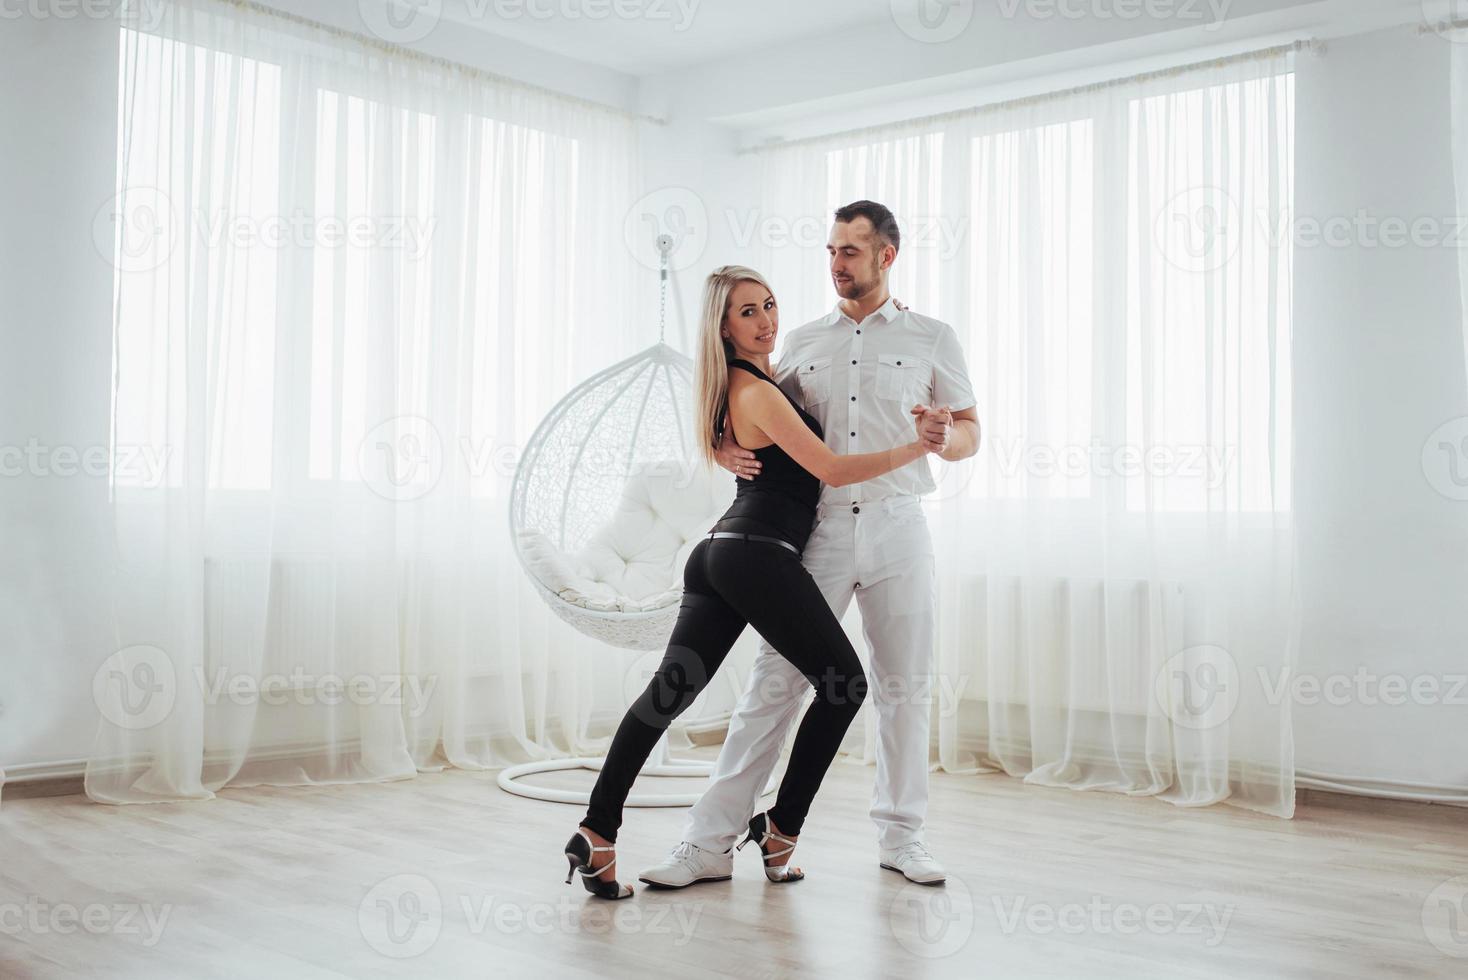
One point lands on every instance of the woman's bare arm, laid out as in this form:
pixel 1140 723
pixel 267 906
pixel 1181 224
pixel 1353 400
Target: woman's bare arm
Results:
pixel 764 406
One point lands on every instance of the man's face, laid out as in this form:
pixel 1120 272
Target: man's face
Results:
pixel 857 257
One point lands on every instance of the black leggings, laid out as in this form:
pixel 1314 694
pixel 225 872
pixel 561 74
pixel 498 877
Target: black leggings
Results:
pixel 727 584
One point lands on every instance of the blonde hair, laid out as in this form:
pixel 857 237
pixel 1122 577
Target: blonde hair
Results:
pixel 711 377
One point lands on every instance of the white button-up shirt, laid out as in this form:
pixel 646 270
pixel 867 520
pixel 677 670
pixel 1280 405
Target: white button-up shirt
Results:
pixel 860 381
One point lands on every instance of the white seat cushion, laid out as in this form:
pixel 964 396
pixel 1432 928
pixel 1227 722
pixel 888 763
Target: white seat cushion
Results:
pixel 634 563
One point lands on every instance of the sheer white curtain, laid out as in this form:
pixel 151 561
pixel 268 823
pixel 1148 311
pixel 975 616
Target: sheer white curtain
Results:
pixel 1117 566
pixel 350 283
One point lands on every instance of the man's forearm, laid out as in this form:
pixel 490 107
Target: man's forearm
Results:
pixel 963 441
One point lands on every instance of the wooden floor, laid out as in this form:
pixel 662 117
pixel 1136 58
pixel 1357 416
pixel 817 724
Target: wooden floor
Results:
pixel 446 876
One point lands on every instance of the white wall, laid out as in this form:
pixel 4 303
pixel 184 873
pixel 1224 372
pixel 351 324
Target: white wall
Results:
pixel 58 112
pixel 1379 358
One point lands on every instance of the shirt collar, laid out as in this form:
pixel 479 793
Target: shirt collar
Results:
pixel 887 312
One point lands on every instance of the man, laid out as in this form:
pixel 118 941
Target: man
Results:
pixel 859 370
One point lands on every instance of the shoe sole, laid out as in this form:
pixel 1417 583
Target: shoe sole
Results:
pixel 915 881
pixel 664 884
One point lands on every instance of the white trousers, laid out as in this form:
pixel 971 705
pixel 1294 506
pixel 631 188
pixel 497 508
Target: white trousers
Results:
pixel 881 552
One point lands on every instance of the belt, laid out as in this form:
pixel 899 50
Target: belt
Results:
pixel 753 537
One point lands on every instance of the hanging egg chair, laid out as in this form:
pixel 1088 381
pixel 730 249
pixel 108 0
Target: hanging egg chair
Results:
pixel 607 502
pixel 609 498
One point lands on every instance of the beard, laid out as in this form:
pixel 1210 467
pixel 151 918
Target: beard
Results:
pixel 859 285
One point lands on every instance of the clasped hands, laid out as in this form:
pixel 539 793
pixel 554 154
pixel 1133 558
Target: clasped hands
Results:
pixel 934 426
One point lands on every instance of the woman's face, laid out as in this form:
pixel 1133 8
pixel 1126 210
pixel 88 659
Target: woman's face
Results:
pixel 753 320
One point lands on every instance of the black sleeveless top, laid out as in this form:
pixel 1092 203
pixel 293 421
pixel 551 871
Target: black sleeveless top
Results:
pixel 781 501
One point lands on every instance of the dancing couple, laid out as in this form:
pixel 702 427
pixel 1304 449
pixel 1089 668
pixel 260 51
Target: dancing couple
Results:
pixel 830 450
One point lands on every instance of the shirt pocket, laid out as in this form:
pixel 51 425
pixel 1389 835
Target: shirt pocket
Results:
pixel 815 380
pixel 903 377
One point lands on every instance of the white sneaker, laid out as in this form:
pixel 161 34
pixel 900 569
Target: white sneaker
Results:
pixel 689 863
pixel 914 861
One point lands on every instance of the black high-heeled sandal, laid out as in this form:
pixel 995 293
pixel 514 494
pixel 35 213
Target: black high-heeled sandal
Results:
pixel 579 850
pixel 759 826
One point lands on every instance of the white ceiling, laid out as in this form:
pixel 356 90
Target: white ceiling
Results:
pixel 664 34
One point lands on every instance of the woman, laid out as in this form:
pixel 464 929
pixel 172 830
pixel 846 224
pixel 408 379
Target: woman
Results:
pixel 746 572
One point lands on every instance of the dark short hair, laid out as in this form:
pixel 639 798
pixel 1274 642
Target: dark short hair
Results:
pixel 881 219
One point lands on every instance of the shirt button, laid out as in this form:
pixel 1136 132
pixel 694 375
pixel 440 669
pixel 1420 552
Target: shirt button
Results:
pixel 858 585
pixel 858 330
pixel 853 433
pixel 853 362
pixel 853 398
pixel 855 509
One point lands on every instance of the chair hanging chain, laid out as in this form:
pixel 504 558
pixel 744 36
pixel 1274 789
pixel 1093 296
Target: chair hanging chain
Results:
pixel 664 245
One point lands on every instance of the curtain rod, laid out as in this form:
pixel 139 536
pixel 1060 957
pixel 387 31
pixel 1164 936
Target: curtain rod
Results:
pixel 402 51
pixel 1308 44
pixel 1440 26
